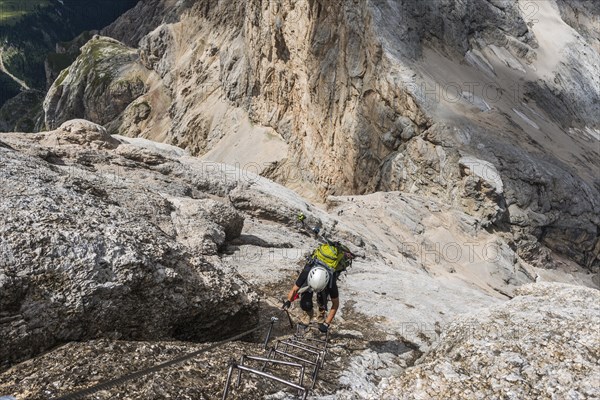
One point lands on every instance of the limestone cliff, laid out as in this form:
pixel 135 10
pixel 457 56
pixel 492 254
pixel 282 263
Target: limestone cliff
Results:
pixel 489 105
pixel 102 82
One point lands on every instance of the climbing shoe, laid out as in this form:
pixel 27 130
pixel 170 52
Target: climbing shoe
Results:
pixel 306 317
pixel 321 315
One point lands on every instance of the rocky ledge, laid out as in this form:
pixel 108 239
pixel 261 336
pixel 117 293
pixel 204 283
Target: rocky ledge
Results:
pixel 86 255
pixel 543 344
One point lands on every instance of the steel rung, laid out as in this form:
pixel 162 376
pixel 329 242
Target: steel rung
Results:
pixel 294 357
pixel 273 361
pixel 298 346
pixel 316 363
pixel 318 354
pixel 321 350
pixel 312 339
pixel 294 339
pixel 263 374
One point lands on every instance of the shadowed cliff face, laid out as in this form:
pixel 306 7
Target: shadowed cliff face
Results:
pixel 488 105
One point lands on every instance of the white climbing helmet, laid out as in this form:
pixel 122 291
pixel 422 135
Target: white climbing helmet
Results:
pixel 318 278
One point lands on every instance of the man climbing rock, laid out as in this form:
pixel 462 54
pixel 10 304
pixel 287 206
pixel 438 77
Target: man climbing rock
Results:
pixel 319 276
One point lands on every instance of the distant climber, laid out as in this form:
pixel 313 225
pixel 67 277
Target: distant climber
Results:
pixel 319 275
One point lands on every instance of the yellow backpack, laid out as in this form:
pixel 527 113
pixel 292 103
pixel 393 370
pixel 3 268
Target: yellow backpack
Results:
pixel 331 256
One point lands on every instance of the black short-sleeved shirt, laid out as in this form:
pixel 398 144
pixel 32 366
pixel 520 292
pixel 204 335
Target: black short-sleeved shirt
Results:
pixel 332 288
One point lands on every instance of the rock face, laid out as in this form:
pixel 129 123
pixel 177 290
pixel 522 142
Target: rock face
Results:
pixel 22 113
pixel 341 98
pixel 99 85
pixel 542 344
pixel 94 224
pixel 453 143
pixel 85 254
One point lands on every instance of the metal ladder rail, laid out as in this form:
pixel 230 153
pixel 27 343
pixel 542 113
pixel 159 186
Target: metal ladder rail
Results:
pixel 300 337
pixel 287 344
pixel 295 341
pixel 297 337
pixel 316 363
pixel 241 367
pixel 303 347
pixel 307 345
pixel 263 374
pixel 301 367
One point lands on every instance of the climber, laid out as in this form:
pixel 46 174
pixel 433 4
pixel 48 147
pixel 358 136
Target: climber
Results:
pixel 319 275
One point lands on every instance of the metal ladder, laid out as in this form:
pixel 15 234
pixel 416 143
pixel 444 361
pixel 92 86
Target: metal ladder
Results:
pixel 297 351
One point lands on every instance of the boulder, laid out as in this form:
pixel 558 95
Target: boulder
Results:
pixel 80 132
pixel 205 225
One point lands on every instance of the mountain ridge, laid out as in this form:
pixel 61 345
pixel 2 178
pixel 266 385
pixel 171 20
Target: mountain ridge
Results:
pixel 375 98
